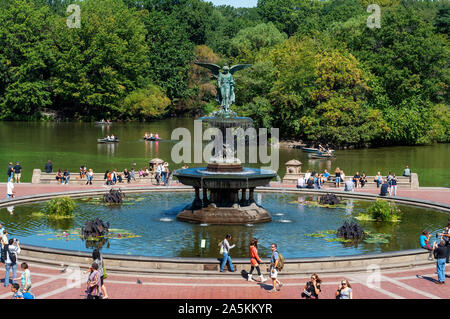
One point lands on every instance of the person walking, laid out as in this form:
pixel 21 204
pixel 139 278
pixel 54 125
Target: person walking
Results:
pixel 10 252
pixel 440 253
pixel 225 247
pixel 97 257
pixel 393 189
pixel 10 189
pixel 274 260
pixel 312 288
pixel 17 172
pixel 10 171
pixel 25 279
pixel 255 261
pixel 93 283
pixel 344 290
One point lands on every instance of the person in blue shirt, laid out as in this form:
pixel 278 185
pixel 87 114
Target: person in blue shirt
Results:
pixel 423 239
pixel 384 188
pixel 326 174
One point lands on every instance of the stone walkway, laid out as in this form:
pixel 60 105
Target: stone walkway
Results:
pixel 51 282
pixel 435 194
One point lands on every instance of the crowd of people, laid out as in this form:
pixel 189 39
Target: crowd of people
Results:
pixel 315 180
pixel 9 251
pixel 311 288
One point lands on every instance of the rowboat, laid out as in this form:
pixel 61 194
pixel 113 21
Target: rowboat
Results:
pixel 102 123
pixel 310 149
pixel 104 140
pixel 322 156
pixel 152 139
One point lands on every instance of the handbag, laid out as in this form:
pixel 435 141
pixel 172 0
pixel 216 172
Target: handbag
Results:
pixel 221 248
pixel 306 293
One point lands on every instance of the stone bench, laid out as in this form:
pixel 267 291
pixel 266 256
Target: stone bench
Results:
pixel 98 179
pixel 402 181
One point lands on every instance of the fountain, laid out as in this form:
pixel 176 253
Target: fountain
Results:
pixel 225 177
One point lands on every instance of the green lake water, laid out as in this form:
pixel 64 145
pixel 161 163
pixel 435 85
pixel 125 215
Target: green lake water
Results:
pixel 70 145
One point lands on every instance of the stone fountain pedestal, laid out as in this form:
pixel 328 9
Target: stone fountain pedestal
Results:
pixel 224 188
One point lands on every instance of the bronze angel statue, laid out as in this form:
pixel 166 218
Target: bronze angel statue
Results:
pixel 225 83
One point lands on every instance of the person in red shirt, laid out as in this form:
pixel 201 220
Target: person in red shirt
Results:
pixel 255 261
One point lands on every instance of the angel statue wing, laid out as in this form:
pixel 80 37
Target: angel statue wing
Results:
pixel 238 67
pixel 215 69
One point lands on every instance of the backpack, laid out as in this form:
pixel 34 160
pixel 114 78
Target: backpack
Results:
pixel 12 256
pixel 3 256
pixel 280 264
pixel 28 295
pixel 221 248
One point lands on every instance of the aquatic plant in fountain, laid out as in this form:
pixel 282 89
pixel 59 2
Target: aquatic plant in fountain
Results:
pixel 61 207
pixel 381 211
pixel 350 230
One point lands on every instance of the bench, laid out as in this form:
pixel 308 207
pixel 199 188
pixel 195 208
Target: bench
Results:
pixel 403 182
pixel 98 179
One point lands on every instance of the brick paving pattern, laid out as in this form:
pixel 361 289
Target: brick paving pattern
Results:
pixel 51 282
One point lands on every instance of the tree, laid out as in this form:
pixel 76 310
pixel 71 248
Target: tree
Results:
pixel 26 59
pixel 170 53
pixel 101 62
pixel 250 40
pixel 146 103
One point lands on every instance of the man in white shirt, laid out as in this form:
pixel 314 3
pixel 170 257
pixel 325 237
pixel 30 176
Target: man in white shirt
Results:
pixel 10 189
pixel 159 170
pixel 300 183
pixel 349 186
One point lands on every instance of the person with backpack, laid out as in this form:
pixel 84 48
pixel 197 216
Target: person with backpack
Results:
pixel 440 254
pixel 9 256
pixel 17 294
pixel 225 251
pixel 255 261
pixel 10 171
pixel 276 264
pixel 97 258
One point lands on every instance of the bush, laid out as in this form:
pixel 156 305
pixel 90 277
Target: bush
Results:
pixel 384 211
pixel 61 207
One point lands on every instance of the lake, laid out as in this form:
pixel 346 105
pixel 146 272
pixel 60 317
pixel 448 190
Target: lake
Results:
pixel 70 145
